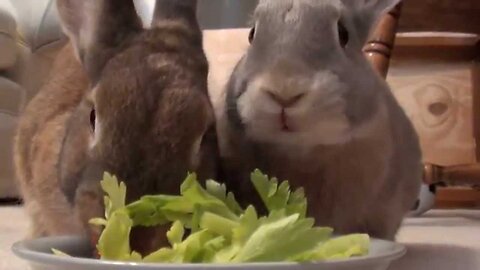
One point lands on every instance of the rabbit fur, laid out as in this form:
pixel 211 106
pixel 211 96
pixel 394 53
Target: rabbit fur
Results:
pixel 304 104
pixel 130 101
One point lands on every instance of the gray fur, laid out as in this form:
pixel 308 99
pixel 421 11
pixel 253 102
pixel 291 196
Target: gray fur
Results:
pixel 352 146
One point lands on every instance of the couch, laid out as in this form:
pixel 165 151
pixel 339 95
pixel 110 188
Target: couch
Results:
pixel 29 40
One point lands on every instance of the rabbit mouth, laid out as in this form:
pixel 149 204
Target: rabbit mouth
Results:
pixel 285 126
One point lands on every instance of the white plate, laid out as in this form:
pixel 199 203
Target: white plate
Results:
pixel 38 254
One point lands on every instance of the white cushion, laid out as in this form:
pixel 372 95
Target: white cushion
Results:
pixel 37 22
pixel 11 99
pixel 8 52
pixel 7 129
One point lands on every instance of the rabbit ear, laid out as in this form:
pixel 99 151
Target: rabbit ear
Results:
pixel 366 13
pixel 374 6
pixel 183 11
pixel 96 28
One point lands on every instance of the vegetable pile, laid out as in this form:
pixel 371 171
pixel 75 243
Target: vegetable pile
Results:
pixel 220 231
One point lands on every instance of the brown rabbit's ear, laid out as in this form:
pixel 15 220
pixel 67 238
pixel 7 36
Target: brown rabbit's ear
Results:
pixel 96 28
pixel 175 10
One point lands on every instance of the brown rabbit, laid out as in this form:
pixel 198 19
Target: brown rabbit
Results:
pixel 135 105
pixel 303 104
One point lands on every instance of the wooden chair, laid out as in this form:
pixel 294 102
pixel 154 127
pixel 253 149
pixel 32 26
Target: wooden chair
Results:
pixel 379 51
pixel 380 47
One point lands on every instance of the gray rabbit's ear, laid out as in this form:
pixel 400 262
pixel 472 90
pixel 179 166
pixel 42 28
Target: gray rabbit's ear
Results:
pixel 373 6
pixel 96 28
pixel 366 13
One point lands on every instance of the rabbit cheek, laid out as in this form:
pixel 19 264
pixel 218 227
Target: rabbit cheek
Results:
pixel 260 114
pixel 323 115
pixel 333 129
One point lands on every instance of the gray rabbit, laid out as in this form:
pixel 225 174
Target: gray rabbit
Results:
pixel 304 104
pixel 121 99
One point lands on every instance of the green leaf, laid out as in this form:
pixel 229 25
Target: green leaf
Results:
pixel 279 197
pixel 98 221
pixel 233 204
pixel 57 252
pixel 216 243
pixel 297 203
pixel 220 231
pixel 176 233
pixel 212 247
pixel 264 187
pixel 249 222
pixel 282 239
pixel 342 247
pixel 191 249
pixel 265 239
pixel 135 257
pixel 115 193
pixel 220 192
pixel 114 242
pixel 147 211
pixel 217 224
pixel 216 189
pixel 188 183
pixel 165 255
pixel 226 254
pixel 196 195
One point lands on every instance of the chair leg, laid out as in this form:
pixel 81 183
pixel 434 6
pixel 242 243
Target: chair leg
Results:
pixel 468 175
pixel 379 48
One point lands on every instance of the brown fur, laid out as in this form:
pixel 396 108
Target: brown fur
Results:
pixel 149 92
pixel 38 144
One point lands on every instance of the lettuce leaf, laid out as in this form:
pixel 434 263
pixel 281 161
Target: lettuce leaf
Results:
pixel 279 197
pixel 209 226
pixel 115 194
pixel 114 242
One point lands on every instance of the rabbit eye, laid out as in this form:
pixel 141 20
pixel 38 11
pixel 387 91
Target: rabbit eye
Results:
pixel 343 35
pixel 92 119
pixel 251 35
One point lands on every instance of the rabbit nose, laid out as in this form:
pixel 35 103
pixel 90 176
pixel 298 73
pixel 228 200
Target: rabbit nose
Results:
pixel 285 101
